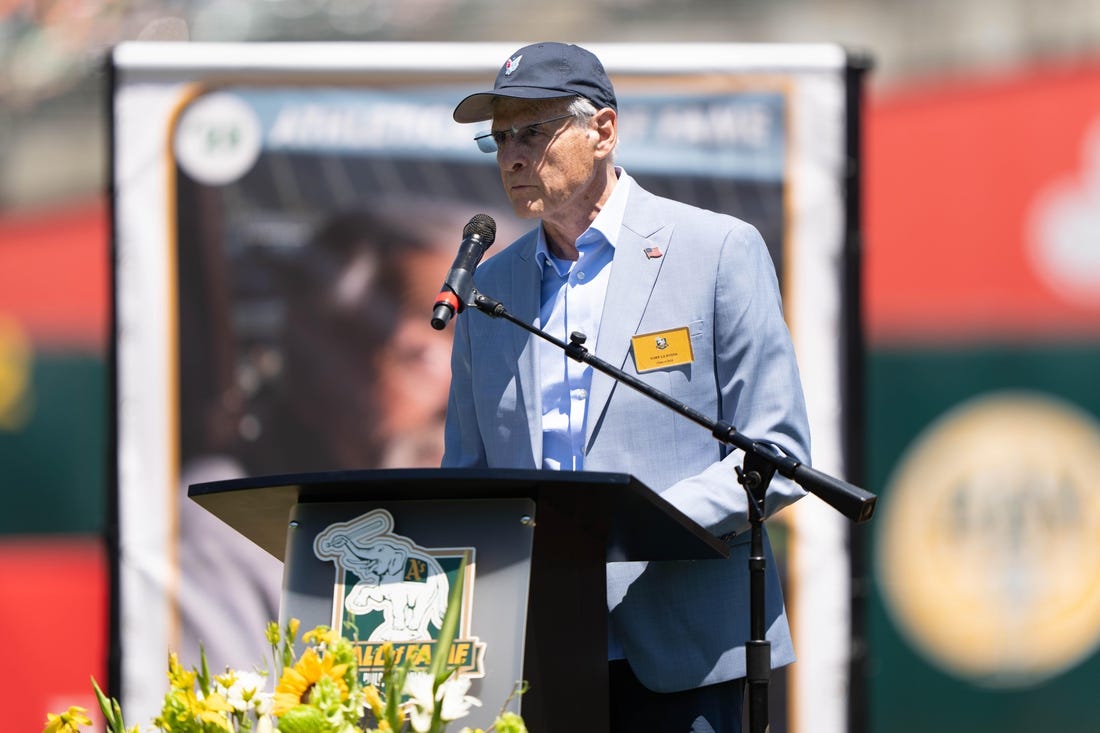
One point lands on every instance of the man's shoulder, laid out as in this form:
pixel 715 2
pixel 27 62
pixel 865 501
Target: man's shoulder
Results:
pixel 684 215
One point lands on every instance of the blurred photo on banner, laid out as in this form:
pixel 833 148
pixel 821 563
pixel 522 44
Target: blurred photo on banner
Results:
pixel 306 268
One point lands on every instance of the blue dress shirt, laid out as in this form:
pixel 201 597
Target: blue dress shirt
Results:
pixel 572 300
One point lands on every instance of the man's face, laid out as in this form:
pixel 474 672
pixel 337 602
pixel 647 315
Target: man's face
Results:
pixel 548 171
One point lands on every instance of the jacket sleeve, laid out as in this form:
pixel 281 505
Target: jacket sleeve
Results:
pixel 463 446
pixel 760 392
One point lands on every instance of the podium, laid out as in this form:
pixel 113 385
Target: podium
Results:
pixel 536 543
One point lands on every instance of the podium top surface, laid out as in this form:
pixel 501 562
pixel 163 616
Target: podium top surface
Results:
pixel 637 522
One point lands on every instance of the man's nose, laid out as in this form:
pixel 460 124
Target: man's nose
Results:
pixel 510 156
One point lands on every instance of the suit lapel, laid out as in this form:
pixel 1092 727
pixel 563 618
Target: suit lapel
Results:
pixel 633 275
pixel 525 285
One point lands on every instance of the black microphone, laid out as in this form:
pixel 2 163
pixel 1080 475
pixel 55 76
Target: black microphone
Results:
pixel 477 236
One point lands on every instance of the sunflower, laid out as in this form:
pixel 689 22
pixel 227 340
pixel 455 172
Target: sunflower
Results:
pixel 297 682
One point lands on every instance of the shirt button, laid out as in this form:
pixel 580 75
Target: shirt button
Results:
pixel 580 275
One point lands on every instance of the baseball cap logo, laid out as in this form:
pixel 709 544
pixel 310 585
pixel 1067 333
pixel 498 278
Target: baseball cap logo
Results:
pixel 511 65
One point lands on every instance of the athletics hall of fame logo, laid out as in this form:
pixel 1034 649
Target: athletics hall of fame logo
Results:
pixel 389 589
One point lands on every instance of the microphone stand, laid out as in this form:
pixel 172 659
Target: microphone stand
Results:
pixel 754 475
pixel 762 460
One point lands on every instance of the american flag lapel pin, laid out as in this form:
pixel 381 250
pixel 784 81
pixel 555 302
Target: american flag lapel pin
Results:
pixel 652 252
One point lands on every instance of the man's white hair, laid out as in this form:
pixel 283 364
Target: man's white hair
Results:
pixel 583 110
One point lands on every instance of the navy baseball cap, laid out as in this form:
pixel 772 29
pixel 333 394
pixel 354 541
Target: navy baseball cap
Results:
pixel 543 71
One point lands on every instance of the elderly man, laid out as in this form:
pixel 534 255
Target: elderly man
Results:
pixel 632 271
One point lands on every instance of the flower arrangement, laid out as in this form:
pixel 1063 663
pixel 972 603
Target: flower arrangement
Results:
pixel 318 691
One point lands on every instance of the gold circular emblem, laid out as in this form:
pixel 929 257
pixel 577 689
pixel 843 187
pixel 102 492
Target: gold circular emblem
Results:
pixel 988 543
pixel 16 363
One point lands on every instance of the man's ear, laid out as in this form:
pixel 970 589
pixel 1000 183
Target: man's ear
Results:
pixel 605 127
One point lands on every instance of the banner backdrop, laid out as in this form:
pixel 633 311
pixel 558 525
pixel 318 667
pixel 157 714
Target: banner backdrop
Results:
pixel 283 216
pixel 983 408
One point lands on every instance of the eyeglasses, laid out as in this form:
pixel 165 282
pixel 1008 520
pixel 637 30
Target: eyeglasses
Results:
pixel 492 141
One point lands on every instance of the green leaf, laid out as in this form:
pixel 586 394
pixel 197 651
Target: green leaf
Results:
pixel 112 711
pixel 203 673
pixel 442 650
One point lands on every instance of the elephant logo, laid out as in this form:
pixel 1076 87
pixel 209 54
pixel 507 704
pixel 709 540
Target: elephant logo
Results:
pixel 396 577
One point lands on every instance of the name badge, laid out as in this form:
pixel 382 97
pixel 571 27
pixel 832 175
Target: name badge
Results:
pixel 662 349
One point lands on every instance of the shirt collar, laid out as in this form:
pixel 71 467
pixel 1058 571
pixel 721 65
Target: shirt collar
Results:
pixel 607 223
pixel 610 219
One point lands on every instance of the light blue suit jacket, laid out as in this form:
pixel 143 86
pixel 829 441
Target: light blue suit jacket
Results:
pixel 681 624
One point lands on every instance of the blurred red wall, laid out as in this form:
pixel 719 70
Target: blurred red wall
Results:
pixel 956 177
